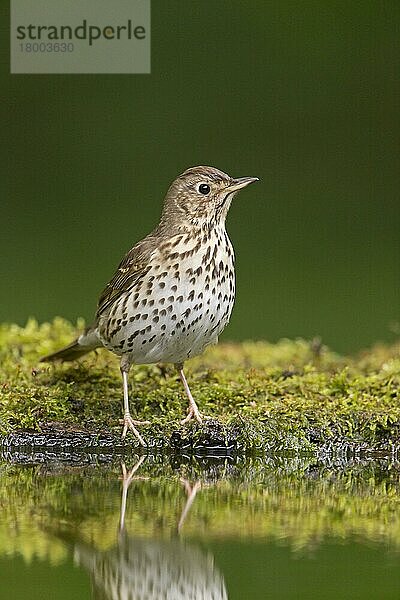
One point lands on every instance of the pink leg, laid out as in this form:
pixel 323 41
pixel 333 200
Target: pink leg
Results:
pixel 128 422
pixel 193 410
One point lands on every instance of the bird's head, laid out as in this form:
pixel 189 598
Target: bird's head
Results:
pixel 202 196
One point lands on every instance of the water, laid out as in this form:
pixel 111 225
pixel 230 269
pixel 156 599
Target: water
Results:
pixel 210 528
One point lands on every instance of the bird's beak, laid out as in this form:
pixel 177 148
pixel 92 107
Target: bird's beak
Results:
pixel 241 182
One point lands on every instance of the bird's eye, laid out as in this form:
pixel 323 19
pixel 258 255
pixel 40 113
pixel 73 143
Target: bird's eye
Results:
pixel 204 189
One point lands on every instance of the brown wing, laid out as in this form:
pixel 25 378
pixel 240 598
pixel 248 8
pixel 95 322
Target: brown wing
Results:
pixel 132 268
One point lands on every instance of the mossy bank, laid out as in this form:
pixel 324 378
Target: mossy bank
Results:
pixel 290 396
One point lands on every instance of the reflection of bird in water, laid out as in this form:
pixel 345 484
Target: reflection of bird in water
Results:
pixel 148 569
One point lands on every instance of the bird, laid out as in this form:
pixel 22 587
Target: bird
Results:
pixel 173 293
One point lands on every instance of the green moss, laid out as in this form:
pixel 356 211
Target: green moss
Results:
pixel 292 395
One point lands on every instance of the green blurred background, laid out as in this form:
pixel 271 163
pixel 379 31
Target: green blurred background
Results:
pixel 304 95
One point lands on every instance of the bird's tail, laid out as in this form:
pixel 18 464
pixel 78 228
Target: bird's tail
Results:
pixel 88 341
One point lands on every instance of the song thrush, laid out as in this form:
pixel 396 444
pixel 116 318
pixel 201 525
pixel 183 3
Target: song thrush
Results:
pixel 173 293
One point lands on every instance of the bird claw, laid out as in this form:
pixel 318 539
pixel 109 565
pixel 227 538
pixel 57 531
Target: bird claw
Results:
pixel 130 423
pixel 128 476
pixel 194 413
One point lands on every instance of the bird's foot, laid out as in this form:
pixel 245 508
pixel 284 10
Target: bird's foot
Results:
pixel 191 491
pixel 128 476
pixel 130 423
pixel 194 413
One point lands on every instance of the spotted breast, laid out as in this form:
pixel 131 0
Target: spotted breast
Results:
pixel 169 319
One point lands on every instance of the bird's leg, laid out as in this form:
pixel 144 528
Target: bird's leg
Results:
pixel 193 409
pixel 127 421
pixel 126 482
pixel 191 491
